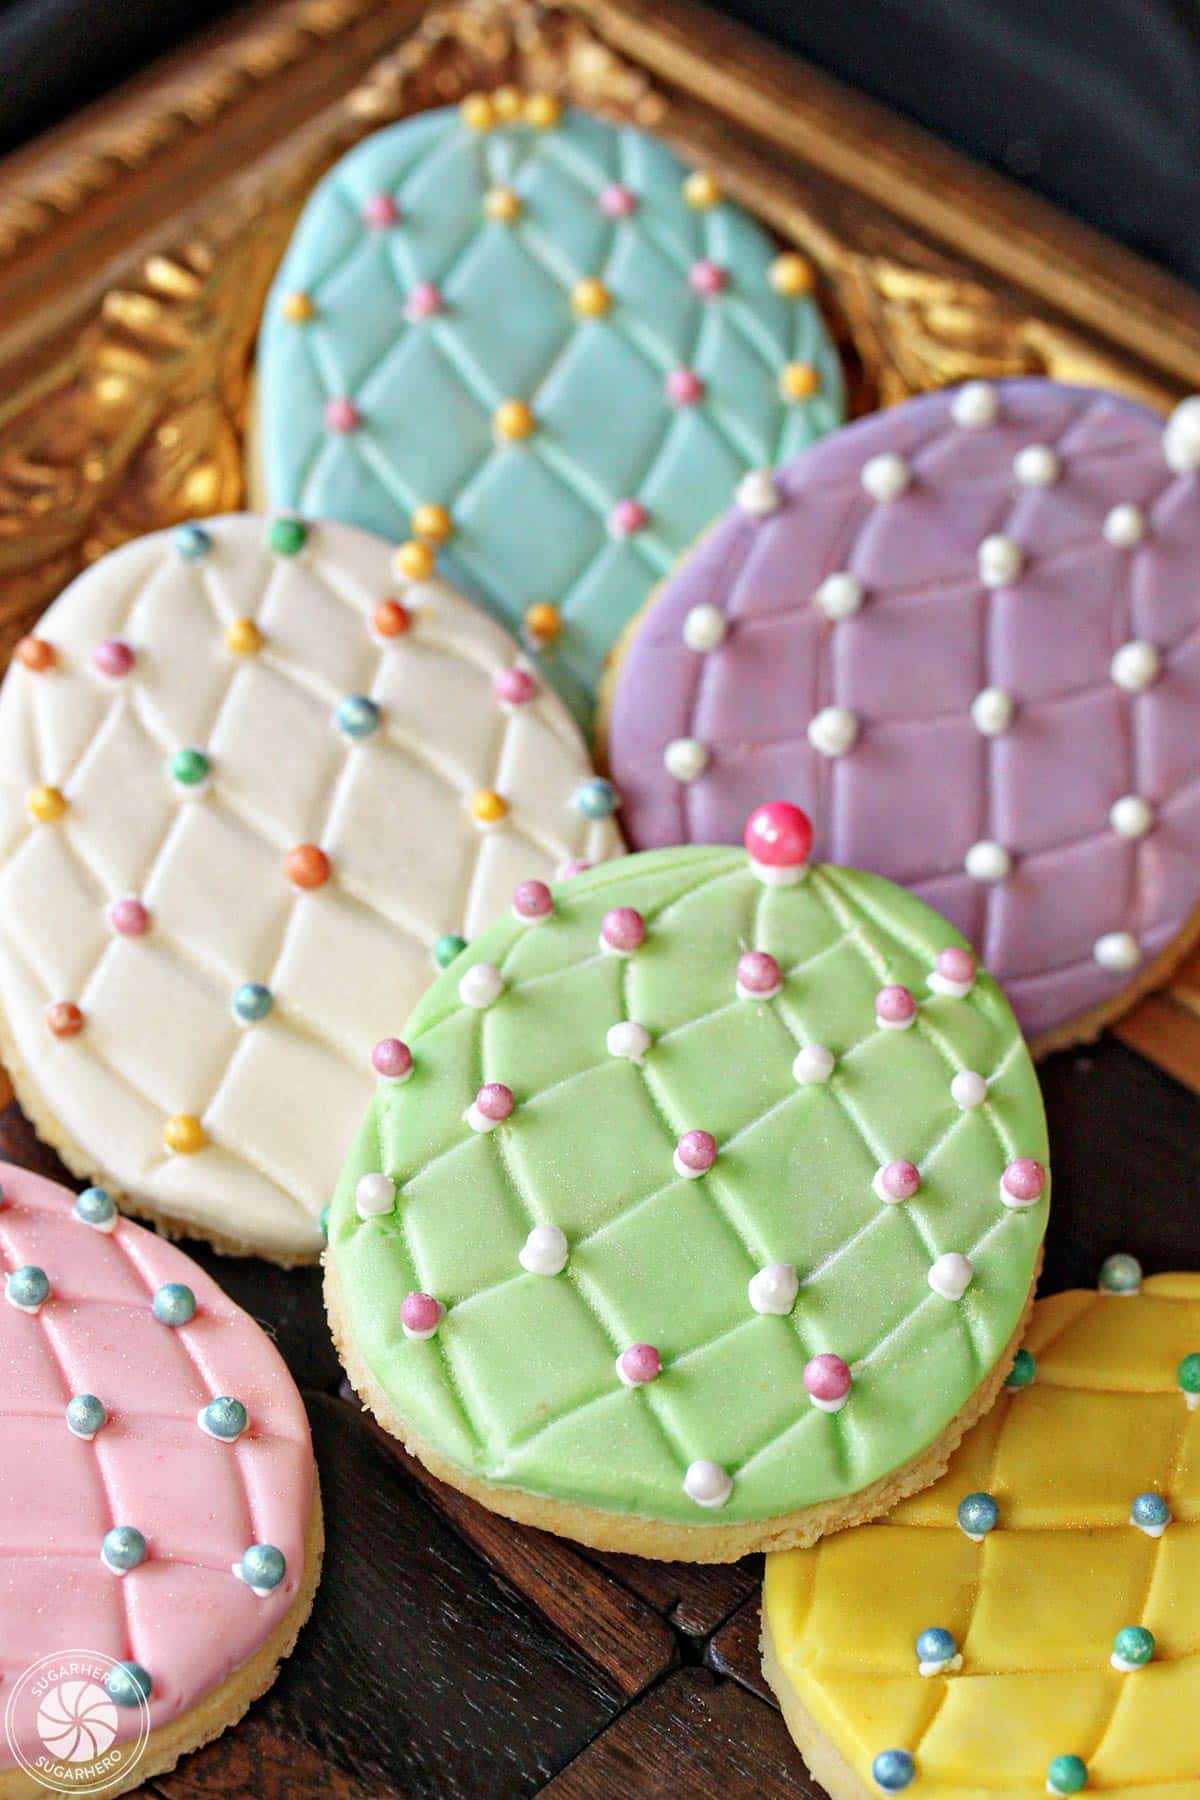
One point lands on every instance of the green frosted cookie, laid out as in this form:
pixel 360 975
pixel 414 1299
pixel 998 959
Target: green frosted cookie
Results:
pixel 707 1208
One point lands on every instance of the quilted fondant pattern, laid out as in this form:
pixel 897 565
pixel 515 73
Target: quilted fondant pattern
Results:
pixel 385 791
pixel 519 1384
pixel 406 295
pixel 1035 1608
pixel 182 1614
pixel 1106 536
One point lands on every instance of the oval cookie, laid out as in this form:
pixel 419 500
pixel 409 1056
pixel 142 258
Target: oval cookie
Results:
pixel 533 340
pixel 968 637
pixel 251 778
pixel 709 1211
pixel 1056 1648
pixel 160 1527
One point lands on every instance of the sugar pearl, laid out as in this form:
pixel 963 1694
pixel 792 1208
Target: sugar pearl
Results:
pixel 828 1381
pixel 622 931
pixel 515 687
pixel 894 1770
pixel 481 985
pixel 1036 466
pixel 937 1650
pixel 707 1483
pixel 1131 816
pixel 307 866
pixel 424 301
pixel 174 1304
pixel 1136 666
pixel 839 596
pixel 704 628
pixel 813 1065
pixel 779 839
pixel 617 201
pixel 96 1208
pixel 533 903
pixel 1023 1372
pixel 374 1195
pixel 895 1008
pixel 951 1275
pixel 758 976
pixel 122 1549
pixel 975 404
pixel 420 1315
pixel 707 278
pixel 1000 561
pixel 1120 1274
pixel 380 211
pixel 1150 1513
pixel 1066 1775
pixel 638 1365
pixel 695 1154
pixel 896 1181
pixel 1133 1648
pixel 978 1514
pixel 683 387
pixel 392 1060
pixel 1117 951
pixel 627 517
pixel 225 1419
pixel 544 1251
pixel 968 1089
pixel 128 1684
pixel 628 1039
pixel 757 493
pixel 833 731
pixel 992 711
pixel 1125 526
pixel 885 477
pixel 988 861
pixel 262 1567
pixel 491 1106
pixel 27 1289
pixel 1023 1182
pixel 1181 437
pixel 341 414
pixel 685 758
pixel 953 972
pixel 774 1289
pixel 85 1416
pixel 113 659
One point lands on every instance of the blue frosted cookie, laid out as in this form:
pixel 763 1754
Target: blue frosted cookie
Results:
pixel 533 341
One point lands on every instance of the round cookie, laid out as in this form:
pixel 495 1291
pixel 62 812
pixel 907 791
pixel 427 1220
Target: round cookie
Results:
pixel 1057 1650
pixel 160 1522
pixel 711 1209
pixel 968 637
pixel 251 778
pixel 528 337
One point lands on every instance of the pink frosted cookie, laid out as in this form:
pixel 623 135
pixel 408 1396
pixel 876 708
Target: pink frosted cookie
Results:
pixel 965 634
pixel 160 1526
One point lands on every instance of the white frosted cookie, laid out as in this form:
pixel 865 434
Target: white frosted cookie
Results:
pixel 256 782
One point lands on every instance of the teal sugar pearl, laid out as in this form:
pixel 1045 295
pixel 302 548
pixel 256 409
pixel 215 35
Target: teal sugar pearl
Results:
pixel 123 1548
pixel 174 1304
pixel 263 1567
pixel 128 1684
pixel 96 1207
pixel 1066 1775
pixel 192 542
pixel 894 1770
pixel 1189 1374
pixel 252 1002
pixel 1120 1274
pixel 28 1288
pixel 597 799
pixel 224 1418
pixel 977 1514
pixel 447 948
pixel 1023 1371
pixel 358 716
pixel 287 537
pixel 85 1415
pixel 189 767
pixel 1133 1647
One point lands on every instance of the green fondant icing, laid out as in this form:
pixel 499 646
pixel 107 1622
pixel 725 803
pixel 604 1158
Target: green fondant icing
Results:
pixel 519 1384
pixel 531 518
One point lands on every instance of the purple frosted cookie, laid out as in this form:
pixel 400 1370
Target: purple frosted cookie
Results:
pixel 964 635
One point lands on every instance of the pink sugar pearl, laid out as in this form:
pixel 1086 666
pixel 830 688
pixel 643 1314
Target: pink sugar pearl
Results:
pixel 707 278
pixel 1024 1181
pixel 533 901
pixel 758 973
pixel 574 865
pixel 392 1059
pixel 779 835
pixel 341 414
pixel 421 1314
pixel 424 301
pixel 623 929
pixel 494 1101
pixel 639 1364
pixel 128 917
pixel 515 687
pixel 956 965
pixel 899 1180
pixel 827 1379
pixel 113 658
pixel 627 517
pixel 380 211
pixel 696 1151
pixel 895 1006
pixel 684 387
pixel 617 201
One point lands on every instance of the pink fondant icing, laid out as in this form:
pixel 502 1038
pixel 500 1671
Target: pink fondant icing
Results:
pixel 183 1614
pixel 922 783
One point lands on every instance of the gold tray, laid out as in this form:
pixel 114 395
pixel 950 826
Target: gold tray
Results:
pixel 136 246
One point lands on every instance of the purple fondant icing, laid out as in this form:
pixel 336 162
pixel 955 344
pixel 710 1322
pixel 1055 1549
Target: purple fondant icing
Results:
pixel 921 783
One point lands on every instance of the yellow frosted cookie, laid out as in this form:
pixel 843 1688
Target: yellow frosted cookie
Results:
pixel 1031 1623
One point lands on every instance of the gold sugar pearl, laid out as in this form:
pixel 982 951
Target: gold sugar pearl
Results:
pixel 543 622
pixel 243 638
pixel 502 205
pixel 46 804
pixel 702 189
pixel 799 381
pixel 792 275
pixel 415 561
pixel 513 420
pixel 543 110
pixel 507 103
pixel 590 298
pixel 184 1135
pixel 477 112
pixel 298 308
pixel 432 523
pixel 488 807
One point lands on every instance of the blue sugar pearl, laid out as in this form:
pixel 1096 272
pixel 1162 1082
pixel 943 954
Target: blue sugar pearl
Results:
pixel 597 799
pixel 128 1684
pixel 262 1567
pixel 252 1002
pixel 936 1647
pixel 358 716
pixel 123 1548
pixel 894 1770
pixel 192 542
pixel 86 1415
pixel 96 1207
pixel 27 1288
pixel 1133 1648
pixel 1150 1513
pixel 224 1418
pixel 1066 1775
pixel 1120 1274
pixel 1023 1371
pixel 447 948
pixel 977 1515
pixel 174 1304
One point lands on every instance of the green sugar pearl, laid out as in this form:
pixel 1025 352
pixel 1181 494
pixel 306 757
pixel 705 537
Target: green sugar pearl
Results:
pixel 189 767
pixel 288 537
pixel 1189 1378
pixel 1023 1371
pixel 447 948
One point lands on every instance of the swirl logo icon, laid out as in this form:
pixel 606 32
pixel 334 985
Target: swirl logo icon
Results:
pixel 75 1724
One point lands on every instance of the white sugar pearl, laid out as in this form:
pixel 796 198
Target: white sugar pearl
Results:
pixel 374 1194
pixel 839 596
pixel 481 985
pixel 774 1289
pixel 704 628
pixel 1125 526
pixel 833 731
pixel 968 1089
pixel 544 1251
pixel 628 1039
pixel 1117 951
pixel 975 405
pixel 951 1275
pixel 988 861
pixel 1135 666
pixel 885 477
pixel 757 493
pixel 1000 561
pixel 707 1483
pixel 1131 816
pixel 813 1064
pixel 1036 466
pixel 992 711
pixel 685 758
pixel 1181 438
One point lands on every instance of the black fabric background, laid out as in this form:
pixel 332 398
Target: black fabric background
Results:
pixel 1095 103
